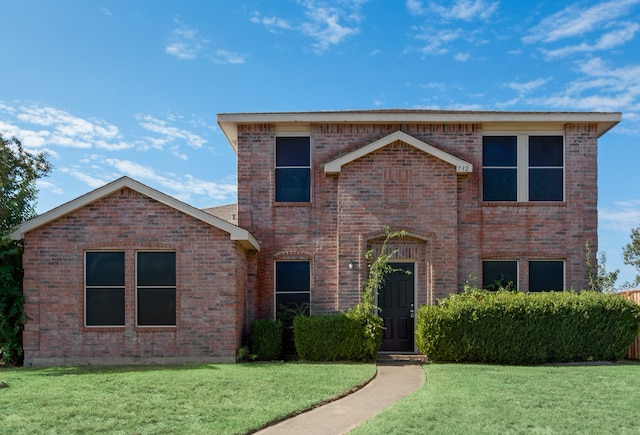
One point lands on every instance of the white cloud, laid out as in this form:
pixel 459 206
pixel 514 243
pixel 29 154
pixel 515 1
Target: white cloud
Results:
pixel 185 42
pixel 437 41
pixel 328 25
pixel 169 133
pixel 51 187
pixel 225 56
pixel 462 57
pixel 466 10
pixel 183 188
pixel 415 7
pixel 577 20
pixel 606 42
pixel 526 87
pixel 38 126
pixel 621 216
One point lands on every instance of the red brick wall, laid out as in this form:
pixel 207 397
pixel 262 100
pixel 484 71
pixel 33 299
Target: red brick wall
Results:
pixel 211 272
pixel 399 186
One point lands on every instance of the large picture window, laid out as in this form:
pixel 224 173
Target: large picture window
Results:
pixel 156 288
pixel 104 288
pixel 293 287
pixel 293 169
pixel 499 274
pixel 523 168
pixel 546 275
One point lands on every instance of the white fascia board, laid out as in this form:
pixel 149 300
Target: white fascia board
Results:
pixel 228 121
pixel 236 233
pixel 335 166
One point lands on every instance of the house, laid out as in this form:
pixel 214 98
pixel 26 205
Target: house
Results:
pixel 508 197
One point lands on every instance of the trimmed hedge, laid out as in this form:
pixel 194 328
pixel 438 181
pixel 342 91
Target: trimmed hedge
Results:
pixel 266 339
pixel 334 337
pixel 527 328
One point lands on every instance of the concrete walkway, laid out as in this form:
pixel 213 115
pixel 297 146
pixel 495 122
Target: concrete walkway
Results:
pixel 393 381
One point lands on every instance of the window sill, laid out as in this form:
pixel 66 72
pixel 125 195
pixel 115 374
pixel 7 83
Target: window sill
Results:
pixel 292 204
pixel 523 203
pixel 109 328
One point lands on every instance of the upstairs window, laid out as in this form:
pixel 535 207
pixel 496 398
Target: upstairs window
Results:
pixel 293 169
pixel 156 288
pixel 523 168
pixel 104 288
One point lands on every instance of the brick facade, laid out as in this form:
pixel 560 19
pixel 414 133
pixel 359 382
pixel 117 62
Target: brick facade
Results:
pixel 451 229
pixel 211 277
pixel 225 272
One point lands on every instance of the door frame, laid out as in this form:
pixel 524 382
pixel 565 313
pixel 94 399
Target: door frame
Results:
pixel 415 297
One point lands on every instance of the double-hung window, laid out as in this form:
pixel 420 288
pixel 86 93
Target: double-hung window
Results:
pixel 523 168
pixel 293 169
pixel 293 287
pixel 156 288
pixel 104 288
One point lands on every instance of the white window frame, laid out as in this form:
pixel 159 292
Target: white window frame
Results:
pixel 522 168
pixel 302 133
pixel 517 283
pixel 137 287
pixel 86 287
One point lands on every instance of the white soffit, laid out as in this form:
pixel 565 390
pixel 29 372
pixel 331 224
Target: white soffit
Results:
pixel 236 233
pixel 335 166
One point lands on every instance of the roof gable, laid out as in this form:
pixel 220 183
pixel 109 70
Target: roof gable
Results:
pixel 335 166
pixel 236 233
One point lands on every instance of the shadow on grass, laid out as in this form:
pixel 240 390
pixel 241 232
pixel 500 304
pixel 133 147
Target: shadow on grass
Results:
pixel 86 370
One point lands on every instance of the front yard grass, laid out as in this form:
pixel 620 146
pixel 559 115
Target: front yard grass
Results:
pixel 493 399
pixel 194 399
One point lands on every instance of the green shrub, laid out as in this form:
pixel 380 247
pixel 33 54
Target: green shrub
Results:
pixel 527 328
pixel 266 339
pixel 333 337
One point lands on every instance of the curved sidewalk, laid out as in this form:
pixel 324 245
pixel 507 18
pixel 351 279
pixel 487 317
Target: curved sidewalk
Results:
pixel 393 381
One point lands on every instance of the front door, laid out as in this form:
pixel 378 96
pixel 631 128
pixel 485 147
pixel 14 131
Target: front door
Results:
pixel 396 301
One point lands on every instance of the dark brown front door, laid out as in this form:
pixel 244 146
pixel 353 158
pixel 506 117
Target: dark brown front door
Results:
pixel 396 301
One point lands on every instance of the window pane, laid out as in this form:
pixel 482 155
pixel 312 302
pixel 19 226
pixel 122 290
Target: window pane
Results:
pixel 156 306
pixel 499 184
pixel 295 303
pixel 105 268
pixel 293 185
pixel 105 306
pixel 156 268
pixel 293 276
pixel 545 151
pixel 546 184
pixel 499 273
pixel 499 151
pixel 293 151
pixel 546 275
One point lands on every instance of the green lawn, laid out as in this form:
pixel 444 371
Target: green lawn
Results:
pixel 198 399
pixel 487 399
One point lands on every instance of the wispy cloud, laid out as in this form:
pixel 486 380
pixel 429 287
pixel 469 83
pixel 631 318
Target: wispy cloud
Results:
pixel 577 20
pixel 327 23
pixel 466 10
pixel 182 187
pixel 225 56
pixel 438 41
pixel 607 41
pixel 168 133
pixel 40 126
pixel 526 87
pixel 620 216
pixel 185 42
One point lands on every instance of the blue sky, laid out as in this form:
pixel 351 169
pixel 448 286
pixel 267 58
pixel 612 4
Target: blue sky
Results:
pixel 112 88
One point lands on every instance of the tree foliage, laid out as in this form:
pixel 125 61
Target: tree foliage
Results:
pixel 19 171
pixel 631 256
pixel 600 280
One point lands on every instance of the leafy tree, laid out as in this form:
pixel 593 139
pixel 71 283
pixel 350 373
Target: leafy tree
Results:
pixel 366 310
pixel 631 256
pixel 600 280
pixel 19 171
